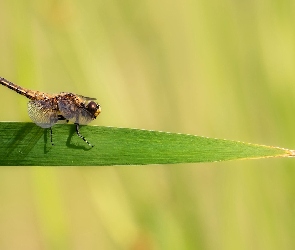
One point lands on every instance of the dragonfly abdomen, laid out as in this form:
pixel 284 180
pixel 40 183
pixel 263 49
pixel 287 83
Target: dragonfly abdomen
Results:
pixel 18 89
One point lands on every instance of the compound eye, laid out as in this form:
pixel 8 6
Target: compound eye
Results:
pixel 92 107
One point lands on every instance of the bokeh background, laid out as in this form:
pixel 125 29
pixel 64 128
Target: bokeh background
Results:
pixel 215 68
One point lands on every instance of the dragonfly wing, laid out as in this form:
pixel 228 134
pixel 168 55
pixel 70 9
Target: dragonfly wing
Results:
pixel 74 112
pixel 42 113
pixel 87 98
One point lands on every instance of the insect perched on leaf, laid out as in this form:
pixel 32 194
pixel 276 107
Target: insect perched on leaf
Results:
pixel 47 109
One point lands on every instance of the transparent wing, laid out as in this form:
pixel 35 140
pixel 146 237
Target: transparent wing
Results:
pixel 73 112
pixel 87 98
pixel 42 113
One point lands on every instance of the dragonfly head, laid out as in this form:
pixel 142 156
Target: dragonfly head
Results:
pixel 93 108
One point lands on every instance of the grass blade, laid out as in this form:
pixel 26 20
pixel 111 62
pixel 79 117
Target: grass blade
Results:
pixel 28 145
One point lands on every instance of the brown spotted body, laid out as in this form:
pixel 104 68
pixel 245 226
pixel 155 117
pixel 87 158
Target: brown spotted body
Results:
pixel 47 109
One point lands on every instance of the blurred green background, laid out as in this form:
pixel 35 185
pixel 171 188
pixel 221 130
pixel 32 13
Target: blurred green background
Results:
pixel 215 68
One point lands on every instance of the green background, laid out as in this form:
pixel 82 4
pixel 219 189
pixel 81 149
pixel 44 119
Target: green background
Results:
pixel 215 68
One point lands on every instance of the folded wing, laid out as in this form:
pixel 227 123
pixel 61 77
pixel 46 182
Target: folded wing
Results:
pixel 43 113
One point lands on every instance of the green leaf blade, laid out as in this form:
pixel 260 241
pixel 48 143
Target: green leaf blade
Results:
pixel 28 145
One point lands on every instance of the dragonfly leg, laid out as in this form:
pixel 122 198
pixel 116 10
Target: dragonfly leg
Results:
pixel 81 136
pixel 51 136
pixel 61 118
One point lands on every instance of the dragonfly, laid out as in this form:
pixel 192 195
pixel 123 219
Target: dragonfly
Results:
pixel 45 109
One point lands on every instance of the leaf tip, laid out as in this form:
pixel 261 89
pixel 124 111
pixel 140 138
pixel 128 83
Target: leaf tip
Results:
pixel 291 153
